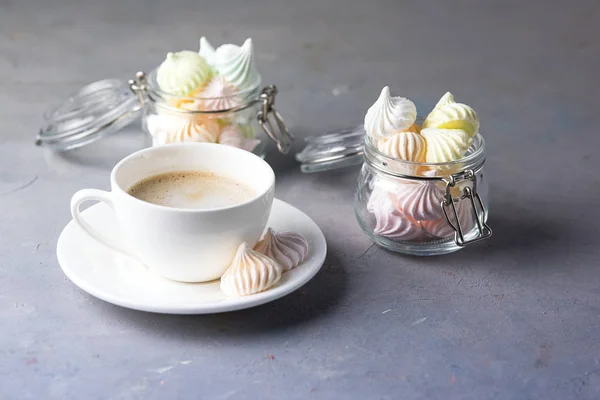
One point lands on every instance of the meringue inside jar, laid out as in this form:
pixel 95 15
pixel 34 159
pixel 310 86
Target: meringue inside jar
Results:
pixel 398 203
pixel 229 119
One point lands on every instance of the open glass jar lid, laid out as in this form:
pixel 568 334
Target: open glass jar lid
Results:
pixel 336 149
pixel 96 110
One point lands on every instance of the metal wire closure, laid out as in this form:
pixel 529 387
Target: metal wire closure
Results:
pixel 283 138
pixel 477 208
pixel 139 86
pixel 280 136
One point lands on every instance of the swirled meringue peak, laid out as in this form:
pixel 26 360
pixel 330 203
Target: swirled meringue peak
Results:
pixel 446 99
pixel 395 225
pixel 220 95
pixel 250 272
pixel 231 136
pixel 289 249
pixel 389 114
pixel 381 197
pixel 207 51
pixel 236 64
pixel 183 73
pixel 449 114
pixel 420 200
pixel 166 129
pixel 442 229
pixel 444 145
pixel 408 146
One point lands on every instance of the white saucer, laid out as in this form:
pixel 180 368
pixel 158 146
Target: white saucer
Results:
pixel 117 279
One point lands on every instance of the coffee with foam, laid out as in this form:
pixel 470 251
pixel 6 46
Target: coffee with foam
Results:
pixel 191 190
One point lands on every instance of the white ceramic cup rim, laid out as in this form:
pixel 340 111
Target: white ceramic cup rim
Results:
pixel 257 196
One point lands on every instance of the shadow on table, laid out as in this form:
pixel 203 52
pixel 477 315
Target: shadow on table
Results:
pixel 314 300
pixel 521 237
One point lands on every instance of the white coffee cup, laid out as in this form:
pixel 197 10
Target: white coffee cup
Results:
pixel 185 245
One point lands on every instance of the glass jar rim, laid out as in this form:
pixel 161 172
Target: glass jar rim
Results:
pixel 472 158
pixel 154 89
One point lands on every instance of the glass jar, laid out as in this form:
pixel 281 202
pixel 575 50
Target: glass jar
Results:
pixel 423 208
pixel 105 107
pixel 239 119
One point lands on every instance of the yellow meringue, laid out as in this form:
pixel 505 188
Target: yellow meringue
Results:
pixel 250 272
pixel 449 114
pixel 444 145
pixel 408 146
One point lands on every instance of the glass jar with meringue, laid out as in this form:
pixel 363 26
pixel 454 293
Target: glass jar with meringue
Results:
pixel 422 189
pixel 210 95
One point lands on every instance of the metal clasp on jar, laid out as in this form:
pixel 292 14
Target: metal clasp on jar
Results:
pixel 478 208
pixel 281 136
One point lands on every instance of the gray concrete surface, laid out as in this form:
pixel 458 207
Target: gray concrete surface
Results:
pixel 517 317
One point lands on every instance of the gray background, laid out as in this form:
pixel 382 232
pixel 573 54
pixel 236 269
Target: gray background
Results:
pixel 517 317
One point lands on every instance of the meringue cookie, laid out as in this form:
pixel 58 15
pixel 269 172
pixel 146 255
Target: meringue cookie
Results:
pixel 445 145
pixel 419 200
pixel 289 249
pixel 381 197
pixel 414 128
pixel 220 95
pixel 250 272
pixel 395 225
pixel 408 146
pixel 447 98
pixel 207 51
pixel 166 128
pixel 442 229
pixel 182 73
pixel 236 64
pixel 448 114
pixel 231 136
pixel 389 114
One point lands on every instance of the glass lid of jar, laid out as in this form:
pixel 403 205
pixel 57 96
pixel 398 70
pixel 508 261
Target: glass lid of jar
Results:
pixel 336 149
pixel 96 110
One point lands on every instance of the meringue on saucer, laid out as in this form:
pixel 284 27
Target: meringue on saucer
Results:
pixel 289 249
pixel 250 272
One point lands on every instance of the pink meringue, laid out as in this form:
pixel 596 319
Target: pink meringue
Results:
pixel 231 136
pixel 419 200
pixel 289 249
pixel 395 225
pixel 220 95
pixel 250 272
pixel 442 229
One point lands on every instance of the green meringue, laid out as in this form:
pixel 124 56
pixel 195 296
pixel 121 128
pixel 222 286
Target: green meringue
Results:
pixel 183 73
pixel 236 64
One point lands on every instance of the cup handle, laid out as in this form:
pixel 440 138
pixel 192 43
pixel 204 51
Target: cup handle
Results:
pixel 104 197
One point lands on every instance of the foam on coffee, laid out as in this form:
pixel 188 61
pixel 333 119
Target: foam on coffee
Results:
pixel 192 190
